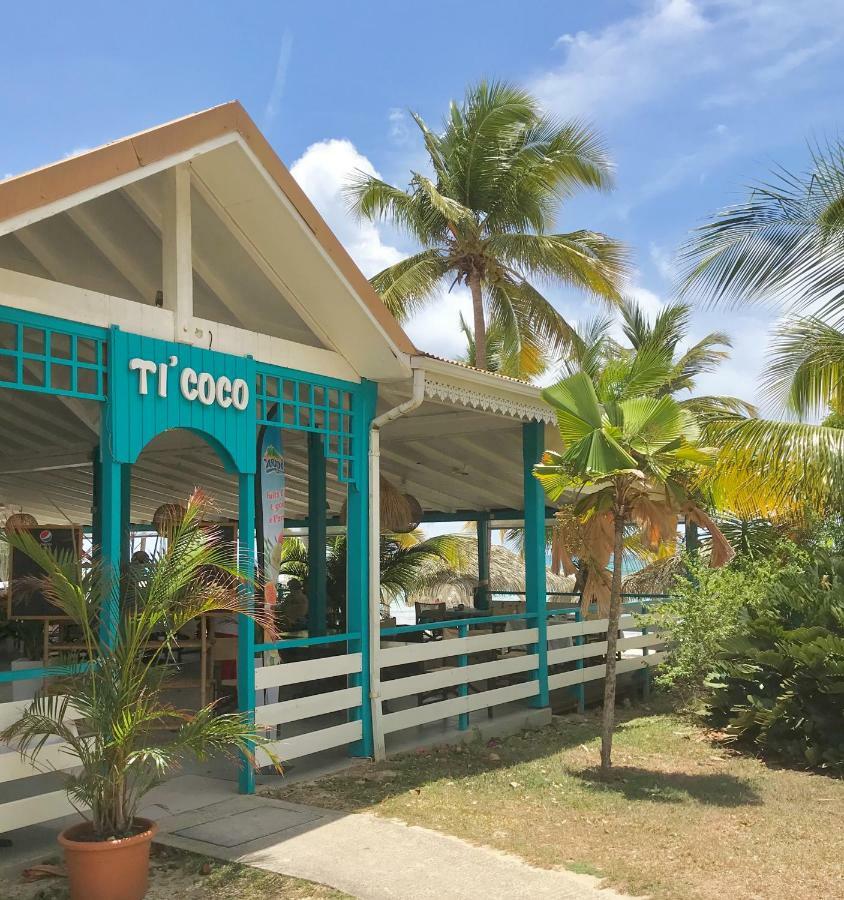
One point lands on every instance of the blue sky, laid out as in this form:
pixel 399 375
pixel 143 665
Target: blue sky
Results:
pixel 695 98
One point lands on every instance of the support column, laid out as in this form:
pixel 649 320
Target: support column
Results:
pixel 126 511
pixel 177 261
pixel 110 521
pixel 245 626
pixel 533 441
pixel 317 584
pixel 359 609
pixel 483 531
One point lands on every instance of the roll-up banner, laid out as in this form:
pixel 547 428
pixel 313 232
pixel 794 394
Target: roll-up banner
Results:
pixel 270 533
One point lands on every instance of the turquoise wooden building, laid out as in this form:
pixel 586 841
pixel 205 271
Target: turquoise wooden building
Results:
pixel 164 298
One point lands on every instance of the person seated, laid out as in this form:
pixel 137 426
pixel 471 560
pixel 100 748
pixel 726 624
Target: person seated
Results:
pixel 293 612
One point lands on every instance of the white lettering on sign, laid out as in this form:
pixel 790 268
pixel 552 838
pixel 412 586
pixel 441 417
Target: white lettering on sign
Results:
pixel 193 385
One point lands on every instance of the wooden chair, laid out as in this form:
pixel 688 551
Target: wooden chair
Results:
pixel 223 649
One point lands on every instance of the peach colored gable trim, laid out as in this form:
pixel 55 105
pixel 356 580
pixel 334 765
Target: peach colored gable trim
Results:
pixel 70 176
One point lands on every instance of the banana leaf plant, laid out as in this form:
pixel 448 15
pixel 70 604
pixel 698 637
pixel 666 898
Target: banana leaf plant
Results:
pixel 625 461
pixel 126 733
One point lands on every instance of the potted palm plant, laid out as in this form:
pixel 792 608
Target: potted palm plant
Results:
pixel 128 735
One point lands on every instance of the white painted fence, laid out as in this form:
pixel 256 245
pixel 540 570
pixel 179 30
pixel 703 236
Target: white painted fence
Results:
pixel 55 756
pixel 294 711
pixel 651 646
pixel 446 666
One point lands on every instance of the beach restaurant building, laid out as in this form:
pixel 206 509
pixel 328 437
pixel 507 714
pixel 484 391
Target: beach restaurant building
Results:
pixel 175 313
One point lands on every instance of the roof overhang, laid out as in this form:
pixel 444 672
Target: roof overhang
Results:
pixel 240 177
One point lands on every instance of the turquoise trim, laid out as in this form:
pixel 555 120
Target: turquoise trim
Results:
pixel 317 564
pixel 141 417
pixel 357 565
pixel 579 689
pixel 303 402
pixel 533 444
pixel 45 355
pixel 111 535
pixel 245 625
pixel 307 642
pixel 463 689
pixel 7 677
pixel 483 535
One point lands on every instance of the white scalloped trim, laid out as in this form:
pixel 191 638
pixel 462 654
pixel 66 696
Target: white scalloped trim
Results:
pixel 507 406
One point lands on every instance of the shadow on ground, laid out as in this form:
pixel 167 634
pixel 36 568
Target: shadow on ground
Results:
pixel 635 783
pixel 371 784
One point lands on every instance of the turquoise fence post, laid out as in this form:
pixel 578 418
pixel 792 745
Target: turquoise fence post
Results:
pixel 463 689
pixel 111 536
pixel 646 675
pixel 483 559
pixel 533 444
pixel 580 689
pixel 317 584
pixel 358 607
pixel 245 626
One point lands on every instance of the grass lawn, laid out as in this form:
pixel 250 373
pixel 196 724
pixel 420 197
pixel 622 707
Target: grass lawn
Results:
pixel 683 816
pixel 177 875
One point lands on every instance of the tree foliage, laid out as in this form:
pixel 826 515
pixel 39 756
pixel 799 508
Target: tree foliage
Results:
pixel 120 696
pixel 499 169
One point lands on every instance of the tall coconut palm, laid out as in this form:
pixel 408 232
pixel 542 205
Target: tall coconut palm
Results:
pixel 784 245
pixel 484 219
pixel 526 360
pixel 629 460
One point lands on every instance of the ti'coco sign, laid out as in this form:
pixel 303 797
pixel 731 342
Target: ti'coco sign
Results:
pixel 202 387
pixel 157 385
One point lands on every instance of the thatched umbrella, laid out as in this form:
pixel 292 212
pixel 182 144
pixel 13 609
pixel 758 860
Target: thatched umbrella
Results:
pixel 506 574
pixel 656 578
pixel 400 513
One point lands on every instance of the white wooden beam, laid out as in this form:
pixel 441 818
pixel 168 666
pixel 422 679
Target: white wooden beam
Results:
pixel 176 249
pixel 41 295
pixel 104 239
pixel 261 262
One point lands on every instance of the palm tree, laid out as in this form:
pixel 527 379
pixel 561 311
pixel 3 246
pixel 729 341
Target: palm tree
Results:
pixel 527 360
pixel 627 460
pixel 784 245
pixel 500 168
pixel 405 562
pixel 119 695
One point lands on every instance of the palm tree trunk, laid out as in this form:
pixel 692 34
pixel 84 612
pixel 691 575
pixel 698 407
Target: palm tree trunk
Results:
pixel 612 642
pixel 474 281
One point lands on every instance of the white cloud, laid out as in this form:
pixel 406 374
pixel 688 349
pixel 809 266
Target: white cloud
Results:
pixel 399 131
pixel 277 91
pixel 322 171
pixel 655 53
pixel 623 65
pixel 664 262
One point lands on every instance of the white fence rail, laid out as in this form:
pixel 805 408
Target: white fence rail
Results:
pixel 456 676
pixel 55 756
pixel 291 713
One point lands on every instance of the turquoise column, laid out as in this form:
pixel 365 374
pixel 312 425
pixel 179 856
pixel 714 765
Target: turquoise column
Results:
pixel 357 560
pixel 533 444
pixel 245 625
pixel 126 510
pixel 483 559
pixel 317 587
pixel 110 521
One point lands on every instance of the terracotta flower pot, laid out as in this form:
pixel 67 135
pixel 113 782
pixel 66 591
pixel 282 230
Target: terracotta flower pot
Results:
pixel 107 870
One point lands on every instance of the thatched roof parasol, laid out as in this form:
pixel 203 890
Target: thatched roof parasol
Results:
pixel 656 578
pixel 506 573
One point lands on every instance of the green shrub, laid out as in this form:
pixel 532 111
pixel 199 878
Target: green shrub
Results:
pixel 778 681
pixel 706 607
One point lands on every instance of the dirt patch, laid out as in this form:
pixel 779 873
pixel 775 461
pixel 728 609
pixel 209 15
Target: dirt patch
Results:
pixel 176 875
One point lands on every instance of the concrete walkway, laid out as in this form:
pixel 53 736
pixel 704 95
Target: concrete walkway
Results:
pixel 365 856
